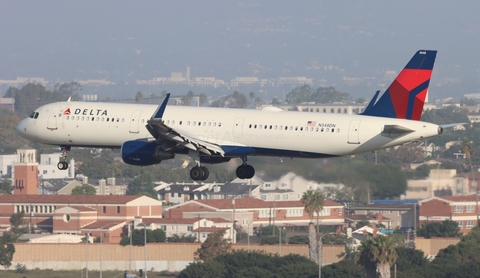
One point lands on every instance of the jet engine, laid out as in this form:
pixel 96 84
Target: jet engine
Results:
pixel 143 153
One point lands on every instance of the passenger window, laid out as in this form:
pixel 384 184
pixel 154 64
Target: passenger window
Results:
pixel 219 124
pixel 118 119
pixel 173 122
pixel 204 123
pixel 93 119
pixel 68 117
pixel 199 123
pixel 260 126
pixel 250 126
pixel 266 126
pixel 194 123
pixel 108 119
pixel 188 123
pixel 214 124
pixel 83 118
pixel 180 122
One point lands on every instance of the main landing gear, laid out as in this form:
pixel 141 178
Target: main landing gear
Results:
pixel 199 173
pixel 245 171
pixel 63 165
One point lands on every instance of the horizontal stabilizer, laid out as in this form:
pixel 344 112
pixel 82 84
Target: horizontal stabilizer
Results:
pixel 452 125
pixel 394 131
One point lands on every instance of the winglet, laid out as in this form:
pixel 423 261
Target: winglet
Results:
pixel 161 108
pixel 405 97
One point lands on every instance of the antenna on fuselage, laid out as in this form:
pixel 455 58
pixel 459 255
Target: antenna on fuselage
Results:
pixel 69 98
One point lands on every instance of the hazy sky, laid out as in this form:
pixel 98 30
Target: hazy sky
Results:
pixel 120 40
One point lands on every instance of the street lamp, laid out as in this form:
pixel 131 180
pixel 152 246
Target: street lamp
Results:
pixel 86 253
pixel 320 254
pixel 145 247
pixel 131 232
pixel 248 235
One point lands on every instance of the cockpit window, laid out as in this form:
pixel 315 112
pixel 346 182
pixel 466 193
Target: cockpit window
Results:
pixel 34 115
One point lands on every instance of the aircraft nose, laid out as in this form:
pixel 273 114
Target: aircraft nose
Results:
pixel 22 128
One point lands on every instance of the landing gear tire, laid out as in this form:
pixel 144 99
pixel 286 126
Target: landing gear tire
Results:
pixel 245 171
pixel 62 165
pixel 199 173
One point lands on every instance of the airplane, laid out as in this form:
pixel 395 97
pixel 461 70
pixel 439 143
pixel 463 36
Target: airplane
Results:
pixel 149 134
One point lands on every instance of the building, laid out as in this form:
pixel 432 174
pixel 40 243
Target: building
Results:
pixel 249 213
pixel 461 209
pixel 440 182
pixel 25 178
pixel 198 228
pixel 403 216
pixel 79 214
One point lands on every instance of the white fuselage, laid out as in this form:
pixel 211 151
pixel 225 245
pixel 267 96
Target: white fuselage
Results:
pixel 269 132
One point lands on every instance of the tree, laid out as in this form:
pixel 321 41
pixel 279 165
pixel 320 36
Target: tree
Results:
pixel 343 269
pixel 7 249
pixel 447 228
pixel 186 100
pixel 6 186
pixel 242 263
pixel 18 227
pixel 314 202
pixel 202 98
pixel 275 101
pixel 408 154
pixel 215 244
pixel 66 90
pixel 142 185
pixel 377 256
pixel 138 97
pixel 299 239
pixel 84 189
pixel 181 238
pixel 138 237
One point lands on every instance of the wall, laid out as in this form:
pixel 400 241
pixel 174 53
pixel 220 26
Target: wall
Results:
pixel 160 256
pixel 431 246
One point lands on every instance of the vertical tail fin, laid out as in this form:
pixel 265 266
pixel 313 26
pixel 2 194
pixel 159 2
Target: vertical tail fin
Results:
pixel 406 95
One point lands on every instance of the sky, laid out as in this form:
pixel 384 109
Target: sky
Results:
pixel 324 40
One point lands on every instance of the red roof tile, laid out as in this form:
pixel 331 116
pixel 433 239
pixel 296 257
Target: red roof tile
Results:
pixel 68 199
pixel 99 225
pixel 149 221
pixel 209 229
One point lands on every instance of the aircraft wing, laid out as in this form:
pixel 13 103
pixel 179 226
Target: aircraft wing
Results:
pixel 161 131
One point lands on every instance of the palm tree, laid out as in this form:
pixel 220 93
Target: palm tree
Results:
pixel 468 148
pixel 377 256
pixel 314 202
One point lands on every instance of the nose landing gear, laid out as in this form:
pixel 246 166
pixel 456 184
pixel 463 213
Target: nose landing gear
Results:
pixel 63 165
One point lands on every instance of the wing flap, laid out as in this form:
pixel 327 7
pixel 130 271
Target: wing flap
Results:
pixel 160 131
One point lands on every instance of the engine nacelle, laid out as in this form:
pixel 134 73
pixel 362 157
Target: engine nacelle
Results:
pixel 142 153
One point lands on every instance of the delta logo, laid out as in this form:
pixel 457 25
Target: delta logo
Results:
pixel 86 112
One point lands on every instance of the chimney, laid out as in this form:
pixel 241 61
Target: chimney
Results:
pixel 365 232
pixel 374 226
pixel 379 218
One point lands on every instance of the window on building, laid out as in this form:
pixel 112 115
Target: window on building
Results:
pixel 340 211
pixel 104 209
pixel 458 209
pixel 189 228
pixel 118 209
pixel 277 196
pixel 267 185
pixel 469 224
pixel 469 208
pixel 460 224
pixel 285 196
pixel 263 197
pixel 163 227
